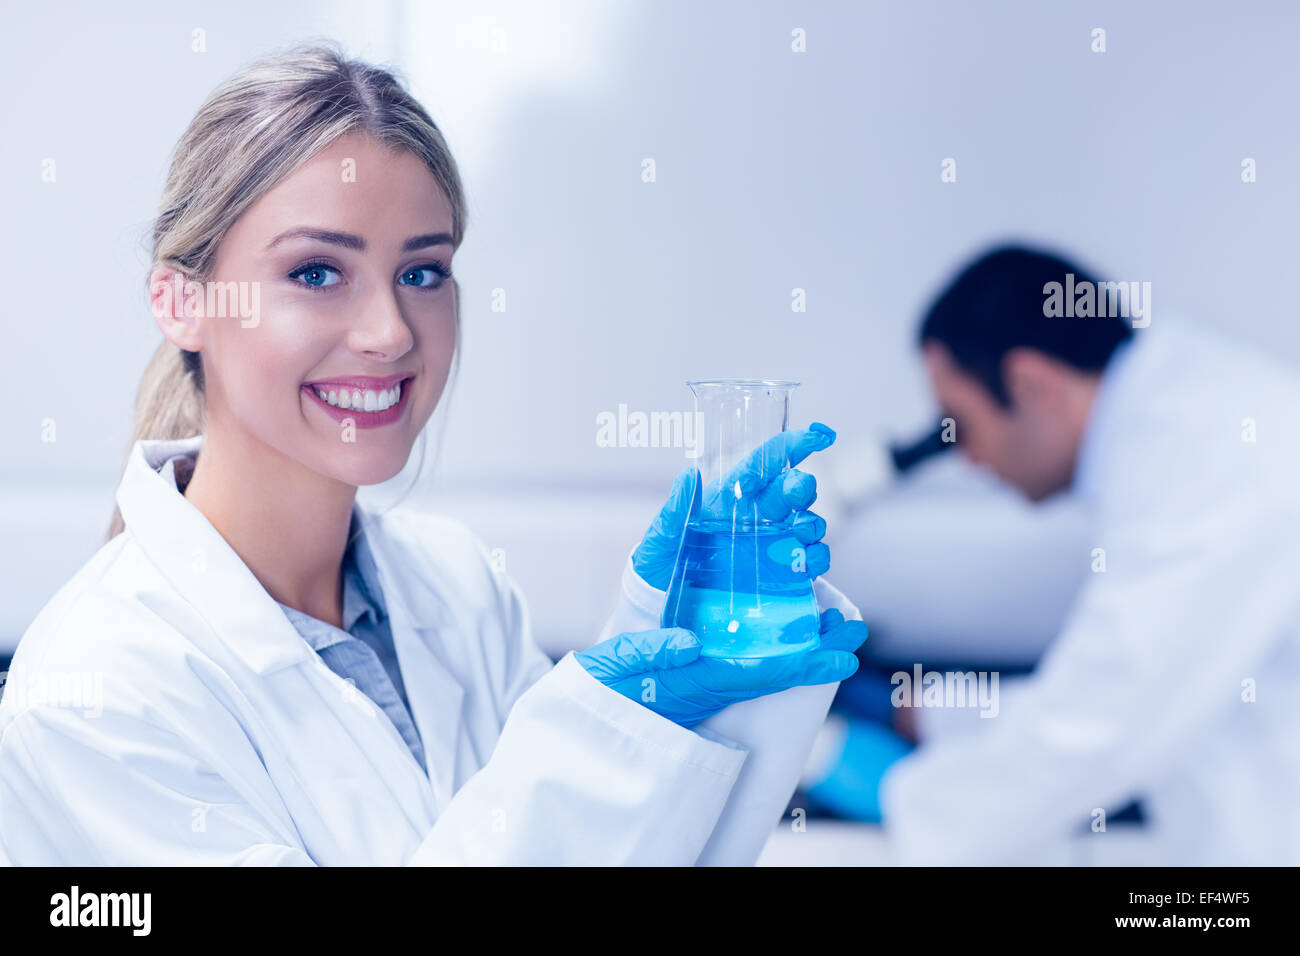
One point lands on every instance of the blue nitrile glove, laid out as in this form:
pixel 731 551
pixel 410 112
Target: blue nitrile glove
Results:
pixel 663 669
pixel 656 555
pixel 852 787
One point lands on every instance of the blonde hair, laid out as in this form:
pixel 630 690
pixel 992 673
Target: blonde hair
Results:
pixel 251 133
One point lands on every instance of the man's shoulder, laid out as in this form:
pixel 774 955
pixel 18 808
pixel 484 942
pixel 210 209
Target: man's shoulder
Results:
pixel 1194 398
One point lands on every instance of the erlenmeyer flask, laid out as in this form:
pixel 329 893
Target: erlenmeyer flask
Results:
pixel 740 582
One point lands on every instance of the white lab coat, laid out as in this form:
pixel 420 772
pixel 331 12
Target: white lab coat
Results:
pixel 1191 460
pixel 161 709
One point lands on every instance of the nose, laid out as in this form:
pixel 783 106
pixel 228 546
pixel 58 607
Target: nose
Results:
pixel 381 331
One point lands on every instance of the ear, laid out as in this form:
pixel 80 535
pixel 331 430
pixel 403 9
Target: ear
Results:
pixel 1032 378
pixel 177 304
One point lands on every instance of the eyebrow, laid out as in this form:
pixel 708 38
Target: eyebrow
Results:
pixel 349 241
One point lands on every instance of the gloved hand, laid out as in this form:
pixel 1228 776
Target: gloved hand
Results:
pixel 851 788
pixel 656 555
pixel 663 669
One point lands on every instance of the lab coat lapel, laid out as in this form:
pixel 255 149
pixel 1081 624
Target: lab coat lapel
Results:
pixel 238 611
pixel 198 562
pixel 435 695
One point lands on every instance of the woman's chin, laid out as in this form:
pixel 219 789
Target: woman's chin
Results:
pixel 372 472
pixel 363 463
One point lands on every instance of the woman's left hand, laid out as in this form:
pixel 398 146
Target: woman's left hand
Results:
pixel 664 670
pixel 752 479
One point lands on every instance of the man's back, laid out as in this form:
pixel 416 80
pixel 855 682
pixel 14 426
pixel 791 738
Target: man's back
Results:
pixel 1172 681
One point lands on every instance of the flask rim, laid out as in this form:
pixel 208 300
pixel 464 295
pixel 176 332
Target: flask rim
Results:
pixel 743 383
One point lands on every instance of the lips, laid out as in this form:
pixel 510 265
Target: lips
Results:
pixel 360 382
pixel 364 395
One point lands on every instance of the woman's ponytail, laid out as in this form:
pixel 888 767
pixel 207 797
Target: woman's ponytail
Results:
pixel 169 403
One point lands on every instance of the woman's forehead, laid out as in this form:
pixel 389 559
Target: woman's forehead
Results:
pixel 383 195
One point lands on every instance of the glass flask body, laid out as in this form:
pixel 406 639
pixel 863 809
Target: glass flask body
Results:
pixel 740 581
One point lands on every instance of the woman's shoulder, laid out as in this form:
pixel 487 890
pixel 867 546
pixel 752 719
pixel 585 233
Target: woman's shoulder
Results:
pixel 78 596
pixel 108 617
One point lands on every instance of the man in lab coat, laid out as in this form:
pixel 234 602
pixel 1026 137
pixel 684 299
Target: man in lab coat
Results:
pixel 1174 680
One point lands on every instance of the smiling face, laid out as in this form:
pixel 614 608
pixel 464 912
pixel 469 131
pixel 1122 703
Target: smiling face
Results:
pixel 353 296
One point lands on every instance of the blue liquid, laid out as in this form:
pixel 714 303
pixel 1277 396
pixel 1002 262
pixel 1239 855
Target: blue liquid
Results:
pixel 739 593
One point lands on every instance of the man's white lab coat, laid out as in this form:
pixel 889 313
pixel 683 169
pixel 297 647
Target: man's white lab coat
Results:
pixel 1176 679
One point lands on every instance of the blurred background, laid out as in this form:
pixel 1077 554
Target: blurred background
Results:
pixel 774 171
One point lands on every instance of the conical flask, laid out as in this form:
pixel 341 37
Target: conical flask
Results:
pixel 740 581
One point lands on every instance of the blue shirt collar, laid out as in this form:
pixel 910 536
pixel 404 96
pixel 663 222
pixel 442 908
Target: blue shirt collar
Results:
pixel 362 594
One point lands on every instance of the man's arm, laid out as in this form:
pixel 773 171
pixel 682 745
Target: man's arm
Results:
pixel 1191 602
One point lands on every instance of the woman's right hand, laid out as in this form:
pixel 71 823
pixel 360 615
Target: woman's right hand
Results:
pixel 663 670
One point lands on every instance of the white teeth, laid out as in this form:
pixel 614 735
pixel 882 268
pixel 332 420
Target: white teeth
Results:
pixel 369 401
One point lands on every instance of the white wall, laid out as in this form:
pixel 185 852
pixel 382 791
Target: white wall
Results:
pixel 821 171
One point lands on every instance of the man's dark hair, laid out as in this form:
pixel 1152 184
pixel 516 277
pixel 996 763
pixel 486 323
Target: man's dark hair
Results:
pixel 997 304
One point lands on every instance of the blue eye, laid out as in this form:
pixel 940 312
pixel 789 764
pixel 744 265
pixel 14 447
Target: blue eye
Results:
pixel 428 276
pixel 315 275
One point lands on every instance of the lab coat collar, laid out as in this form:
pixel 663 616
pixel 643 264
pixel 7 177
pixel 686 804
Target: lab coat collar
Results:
pixel 1116 379
pixel 197 561
pixel 190 553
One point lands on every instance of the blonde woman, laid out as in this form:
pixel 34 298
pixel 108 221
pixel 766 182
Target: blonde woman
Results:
pixel 281 677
